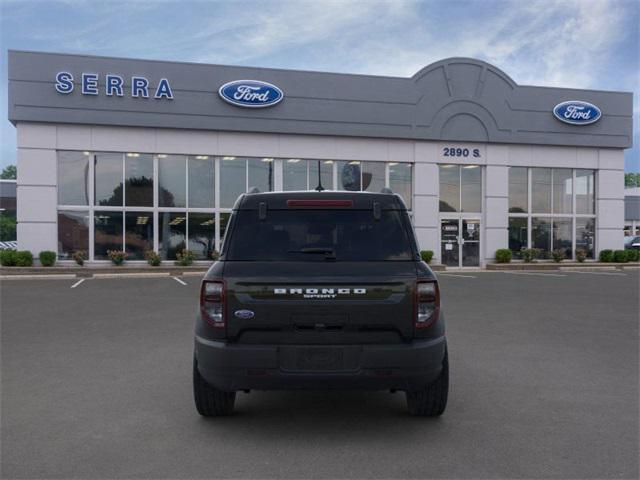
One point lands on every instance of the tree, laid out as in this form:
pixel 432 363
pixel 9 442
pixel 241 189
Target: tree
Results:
pixel 632 180
pixel 9 173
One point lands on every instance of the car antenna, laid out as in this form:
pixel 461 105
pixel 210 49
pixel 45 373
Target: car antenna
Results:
pixel 319 188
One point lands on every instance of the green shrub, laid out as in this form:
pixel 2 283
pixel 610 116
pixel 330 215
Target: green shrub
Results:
pixel 153 258
pixel 79 256
pixel 24 258
pixel 185 257
pixel 8 258
pixel 530 254
pixel 215 255
pixel 558 255
pixel 47 258
pixel 620 256
pixel 117 257
pixel 581 254
pixel 633 255
pixel 503 255
pixel 606 255
pixel 426 255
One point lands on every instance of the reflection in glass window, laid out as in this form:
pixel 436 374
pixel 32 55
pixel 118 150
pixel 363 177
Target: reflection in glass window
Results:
pixel 73 178
pixel 541 190
pixel 138 236
pixel 108 233
pixel 326 174
pixel 349 176
pixel 373 176
pixel 449 188
pixel 400 181
pixel 261 173
pixel 202 234
pixel 224 221
pixel 233 180
pixel 518 190
pixel 138 170
pixel 171 180
pixel 562 235
pixel 562 190
pixel 517 235
pixel 73 233
pixel 471 188
pixel 201 182
pixel 541 235
pixel 294 174
pixel 172 233
pixel 108 179
pixel 585 192
pixel 586 234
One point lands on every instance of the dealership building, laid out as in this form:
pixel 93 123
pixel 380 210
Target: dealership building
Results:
pixel 141 155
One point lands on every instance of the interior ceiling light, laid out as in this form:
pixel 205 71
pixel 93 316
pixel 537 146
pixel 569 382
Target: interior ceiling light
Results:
pixel 328 162
pixel 293 160
pixel 267 159
pixel 228 158
pixel 470 166
pixel 354 163
pixel 393 164
pixel 85 153
pixel 133 154
pixel 162 155
pixel 202 157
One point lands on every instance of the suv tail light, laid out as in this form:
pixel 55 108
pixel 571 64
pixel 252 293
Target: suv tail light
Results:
pixel 212 303
pixel 427 303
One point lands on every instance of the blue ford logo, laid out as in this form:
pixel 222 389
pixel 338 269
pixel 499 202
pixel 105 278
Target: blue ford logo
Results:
pixel 576 112
pixel 244 314
pixel 250 93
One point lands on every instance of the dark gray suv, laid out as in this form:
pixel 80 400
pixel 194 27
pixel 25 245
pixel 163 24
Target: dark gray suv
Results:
pixel 318 290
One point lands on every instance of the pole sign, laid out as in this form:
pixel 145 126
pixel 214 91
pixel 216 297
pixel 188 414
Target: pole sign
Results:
pixel 577 112
pixel 114 85
pixel 250 93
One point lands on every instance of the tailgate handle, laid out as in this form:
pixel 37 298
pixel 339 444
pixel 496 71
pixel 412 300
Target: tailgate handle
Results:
pixel 262 210
pixel 377 211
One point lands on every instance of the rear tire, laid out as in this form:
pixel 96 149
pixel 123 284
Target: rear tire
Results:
pixel 431 401
pixel 211 402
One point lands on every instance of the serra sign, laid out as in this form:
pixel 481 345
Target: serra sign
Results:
pixel 113 85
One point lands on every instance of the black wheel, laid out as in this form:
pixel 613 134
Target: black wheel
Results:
pixel 432 401
pixel 211 402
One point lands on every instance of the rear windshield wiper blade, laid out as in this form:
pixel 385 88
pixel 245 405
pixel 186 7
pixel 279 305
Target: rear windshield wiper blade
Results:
pixel 328 251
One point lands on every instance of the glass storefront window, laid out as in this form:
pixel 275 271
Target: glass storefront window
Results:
pixel 326 174
pixel 261 173
pixel 107 234
pixel 73 178
pixel 171 181
pixel 585 192
pixel 541 235
pixel 586 234
pixel 224 221
pixel 400 181
pixel 373 176
pixel 202 234
pixel 562 235
pixel 73 233
pixel 541 190
pixel 294 174
pixel 518 190
pixel 138 237
pixel 449 188
pixel 201 182
pixel 562 190
pixel 233 180
pixel 517 235
pixel 108 179
pixel 138 172
pixel 471 191
pixel 172 234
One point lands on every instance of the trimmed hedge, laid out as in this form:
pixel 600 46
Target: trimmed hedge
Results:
pixel 633 255
pixel 8 258
pixel 620 256
pixel 24 258
pixel 558 255
pixel 47 258
pixel 606 255
pixel 426 255
pixel 503 255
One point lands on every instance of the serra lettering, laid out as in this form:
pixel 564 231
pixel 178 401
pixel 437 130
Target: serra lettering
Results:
pixel 113 85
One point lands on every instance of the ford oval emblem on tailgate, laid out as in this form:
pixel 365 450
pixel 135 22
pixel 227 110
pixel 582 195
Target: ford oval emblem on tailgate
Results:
pixel 244 314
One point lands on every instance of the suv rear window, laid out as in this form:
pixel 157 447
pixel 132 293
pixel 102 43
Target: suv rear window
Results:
pixel 319 235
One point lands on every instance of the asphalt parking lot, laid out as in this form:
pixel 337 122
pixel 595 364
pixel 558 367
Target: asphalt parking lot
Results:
pixel 96 383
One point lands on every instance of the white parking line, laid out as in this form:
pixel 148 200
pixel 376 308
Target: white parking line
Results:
pixel 599 273
pixel 179 281
pixel 455 275
pixel 538 274
pixel 78 283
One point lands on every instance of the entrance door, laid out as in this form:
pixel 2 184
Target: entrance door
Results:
pixel 460 242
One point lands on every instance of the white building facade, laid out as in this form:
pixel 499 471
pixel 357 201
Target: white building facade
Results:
pixel 481 162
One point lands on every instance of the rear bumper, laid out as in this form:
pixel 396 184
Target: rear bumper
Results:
pixel 232 367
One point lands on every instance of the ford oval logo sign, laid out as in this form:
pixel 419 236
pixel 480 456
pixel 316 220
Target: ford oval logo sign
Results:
pixel 577 112
pixel 250 93
pixel 244 314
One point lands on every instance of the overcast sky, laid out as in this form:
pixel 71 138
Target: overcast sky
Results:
pixel 568 43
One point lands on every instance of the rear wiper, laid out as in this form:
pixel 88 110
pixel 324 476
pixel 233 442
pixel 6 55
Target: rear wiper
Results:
pixel 329 252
